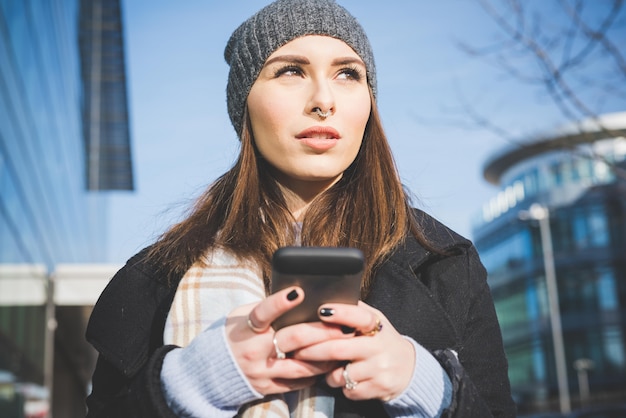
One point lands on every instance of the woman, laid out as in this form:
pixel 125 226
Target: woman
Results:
pixel 184 329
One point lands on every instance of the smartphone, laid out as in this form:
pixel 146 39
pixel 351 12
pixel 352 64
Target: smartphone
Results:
pixel 326 274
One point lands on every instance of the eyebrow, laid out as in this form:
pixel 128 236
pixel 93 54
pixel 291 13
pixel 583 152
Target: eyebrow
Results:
pixel 299 59
pixel 348 60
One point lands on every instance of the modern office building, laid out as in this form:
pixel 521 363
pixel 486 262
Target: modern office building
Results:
pixel 560 219
pixel 64 142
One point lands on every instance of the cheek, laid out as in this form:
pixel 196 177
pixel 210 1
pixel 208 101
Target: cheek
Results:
pixel 267 116
pixel 269 131
pixel 359 114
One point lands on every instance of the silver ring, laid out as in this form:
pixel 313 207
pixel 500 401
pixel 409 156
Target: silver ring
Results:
pixel 350 384
pixel 322 115
pixel 255 328
pixel 280 354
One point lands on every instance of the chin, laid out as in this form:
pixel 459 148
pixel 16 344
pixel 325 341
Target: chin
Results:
pixel 320 179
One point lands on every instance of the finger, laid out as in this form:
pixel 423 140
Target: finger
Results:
pixel 363 318
pixel 266 311
pixel 297 369
pixel 355 386
pixel 376 323
pixel 295 337
pixel 338 350
pixel 334 378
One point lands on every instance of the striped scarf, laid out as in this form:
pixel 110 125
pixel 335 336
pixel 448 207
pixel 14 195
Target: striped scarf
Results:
pixel 211 288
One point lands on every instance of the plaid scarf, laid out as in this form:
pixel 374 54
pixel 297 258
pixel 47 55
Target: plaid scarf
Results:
pixel 211 288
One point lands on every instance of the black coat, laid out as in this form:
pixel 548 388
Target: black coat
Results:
pixel 442 301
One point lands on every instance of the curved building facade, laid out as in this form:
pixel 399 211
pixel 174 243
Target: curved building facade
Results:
pixel 579 176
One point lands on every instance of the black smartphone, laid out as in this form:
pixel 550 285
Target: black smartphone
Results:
pixel 326 274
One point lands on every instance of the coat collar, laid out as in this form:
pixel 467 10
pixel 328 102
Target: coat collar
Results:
pixel 400 291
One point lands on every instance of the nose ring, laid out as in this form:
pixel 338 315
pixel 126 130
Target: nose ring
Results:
pixel 322 115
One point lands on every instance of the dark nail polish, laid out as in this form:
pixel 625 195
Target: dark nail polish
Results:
pixel 327 312
pixel 293 295
pixel 347 330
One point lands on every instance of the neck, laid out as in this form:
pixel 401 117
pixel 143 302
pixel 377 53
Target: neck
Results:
pixel 299 194
pixel 298 201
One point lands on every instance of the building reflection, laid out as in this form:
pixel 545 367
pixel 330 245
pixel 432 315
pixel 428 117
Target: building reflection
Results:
pixel 64 139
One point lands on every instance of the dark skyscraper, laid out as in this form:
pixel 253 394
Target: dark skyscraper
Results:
pixel 104 101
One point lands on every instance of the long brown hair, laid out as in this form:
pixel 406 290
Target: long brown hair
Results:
pixel 245 212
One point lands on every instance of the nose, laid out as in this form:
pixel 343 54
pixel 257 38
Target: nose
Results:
pixel 322 99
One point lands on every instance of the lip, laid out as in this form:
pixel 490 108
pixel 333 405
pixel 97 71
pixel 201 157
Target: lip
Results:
pixel 322 132
pixel 319 138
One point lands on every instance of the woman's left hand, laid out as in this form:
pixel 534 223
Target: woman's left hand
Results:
pixel 380 361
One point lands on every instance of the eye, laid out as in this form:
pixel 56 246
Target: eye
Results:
pixel 289 71
pixel 350 73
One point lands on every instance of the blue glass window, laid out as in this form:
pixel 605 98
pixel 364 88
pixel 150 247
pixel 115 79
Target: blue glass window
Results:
pixel 614 346
pixel 607 290
pixel 598 228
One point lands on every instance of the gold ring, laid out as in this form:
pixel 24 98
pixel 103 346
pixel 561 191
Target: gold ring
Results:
pixel 377 328
pixel 255 328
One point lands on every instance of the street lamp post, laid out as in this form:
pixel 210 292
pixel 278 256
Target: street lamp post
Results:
pixel 582 366
pixel 542 215
pixel 50 328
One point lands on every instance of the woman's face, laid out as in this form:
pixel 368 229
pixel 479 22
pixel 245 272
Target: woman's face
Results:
pixel 310 153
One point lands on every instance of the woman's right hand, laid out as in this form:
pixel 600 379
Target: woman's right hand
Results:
pixel 251 339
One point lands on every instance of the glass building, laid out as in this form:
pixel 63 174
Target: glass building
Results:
pixel 579 176
pixel 64 140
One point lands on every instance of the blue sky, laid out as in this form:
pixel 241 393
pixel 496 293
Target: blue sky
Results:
pixel 182 137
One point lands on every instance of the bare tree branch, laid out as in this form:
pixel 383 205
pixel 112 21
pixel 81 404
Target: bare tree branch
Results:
pixel 566 57
pixel 563 58
pixel 599 36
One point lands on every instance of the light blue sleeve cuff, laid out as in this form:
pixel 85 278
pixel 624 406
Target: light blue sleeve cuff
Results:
pixel 429 392
pixel 203 379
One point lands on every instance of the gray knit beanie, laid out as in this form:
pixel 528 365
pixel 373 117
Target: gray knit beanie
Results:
pixel 275 25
